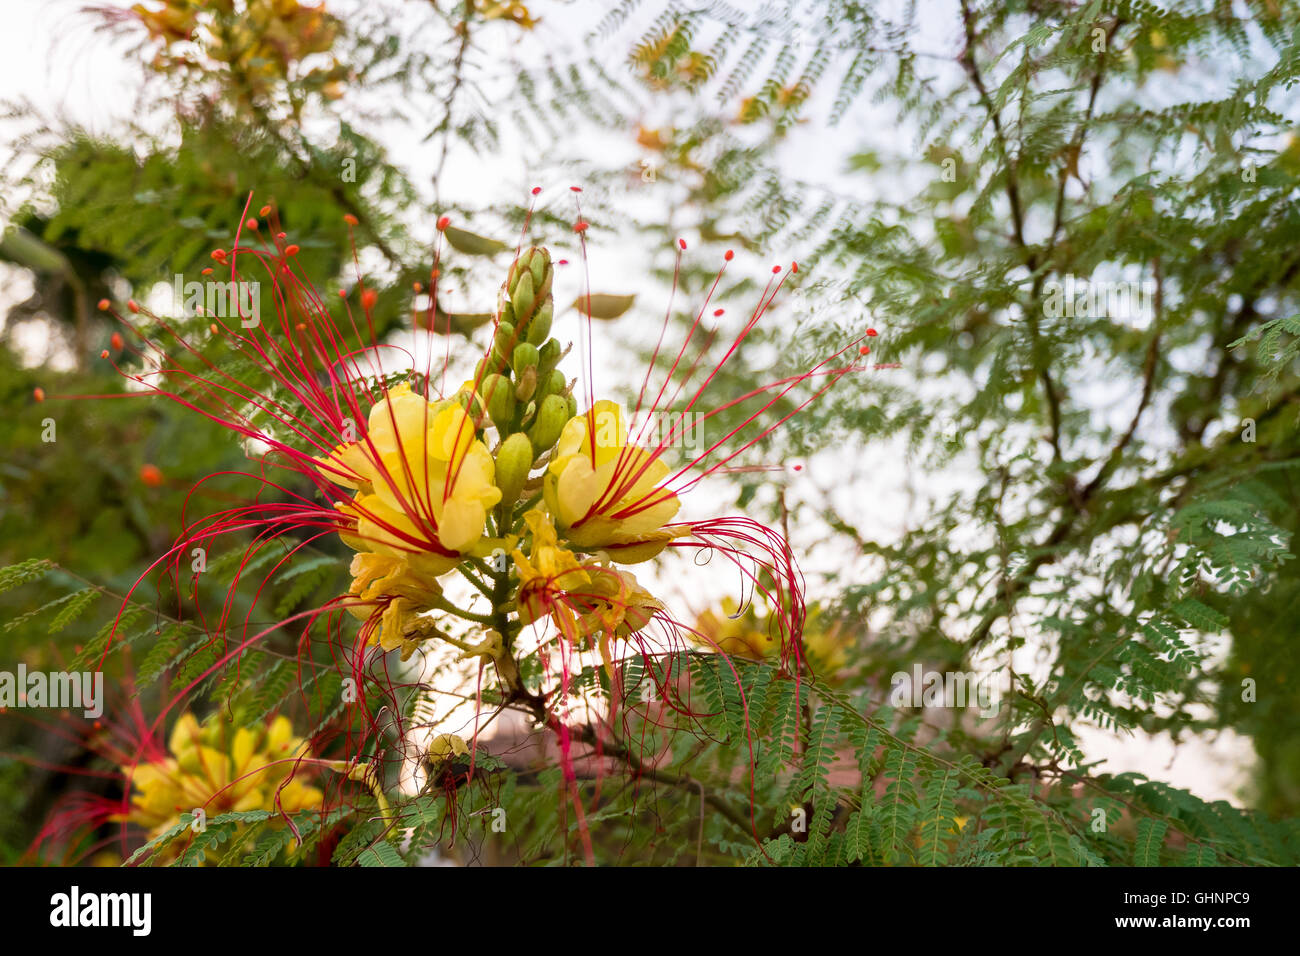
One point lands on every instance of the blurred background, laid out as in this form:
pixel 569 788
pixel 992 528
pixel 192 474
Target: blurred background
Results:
pixel 1092 499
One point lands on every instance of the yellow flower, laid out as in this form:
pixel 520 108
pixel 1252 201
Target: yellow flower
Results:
pixel 825 645
pixel 615 504
pixel 547 572
pixel 583 599
pixel 424 482
pixel 735 634
pixel 406 588
pixel 751 635
pixel 213 770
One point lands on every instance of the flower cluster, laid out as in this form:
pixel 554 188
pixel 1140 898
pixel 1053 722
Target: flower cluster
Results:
pixel 217 770
pixel 506 482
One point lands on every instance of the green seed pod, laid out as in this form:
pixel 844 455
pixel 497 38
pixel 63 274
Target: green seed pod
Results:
pixel 500 397
pixel 540 327
pixel 508 314
pixel 573 405
pixel 551 416
pixel 527 384
pixel 522 298
pixel 514 459
pixel 525 357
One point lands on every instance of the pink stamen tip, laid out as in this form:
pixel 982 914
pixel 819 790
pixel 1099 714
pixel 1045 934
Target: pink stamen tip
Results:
pixel 798 467
pixel 264 211
pixel 104 305
pixel 579 226
pixel 291 249
pixel 576 189
pixel 865 350
pixel 131 304
pixel 794 267
pixel 563 262
pixel 281 235
pixel 536 190
pixel 219 254
pixel 368 299
pixel 350 219
pixel 207 271
pixel 104 354
pixel 775 269
pixel 681 244
pixel 443 222
pixel 728 255
pixel 718 312
pixel 251 223
pixel 343 293
pixel 871 332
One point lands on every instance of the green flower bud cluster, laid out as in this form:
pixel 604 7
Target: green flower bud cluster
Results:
pixel 524 393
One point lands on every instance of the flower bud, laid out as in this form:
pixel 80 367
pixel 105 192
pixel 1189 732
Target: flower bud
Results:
pixel 506 339
pixel 527 384
pixel 554 383
pixel 514 459
pixel 525 357
pixel 551 417
pixel 500 398
pixel 522 298
pixel 548 356
pixel 540 327
pixel 467 400
pixel 539 265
